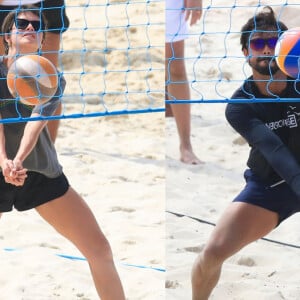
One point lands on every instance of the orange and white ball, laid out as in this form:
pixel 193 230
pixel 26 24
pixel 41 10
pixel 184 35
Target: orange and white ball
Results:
pixel 287 52
pixel 32 79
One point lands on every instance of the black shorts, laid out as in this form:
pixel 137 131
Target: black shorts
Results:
pixel 37 189
pixel 55 14
pixel 280 198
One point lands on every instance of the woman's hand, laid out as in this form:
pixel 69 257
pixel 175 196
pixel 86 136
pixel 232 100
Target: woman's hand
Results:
pixel 13 172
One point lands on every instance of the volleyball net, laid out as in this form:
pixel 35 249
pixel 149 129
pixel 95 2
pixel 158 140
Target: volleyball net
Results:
pixel 215 63
pixel 112 57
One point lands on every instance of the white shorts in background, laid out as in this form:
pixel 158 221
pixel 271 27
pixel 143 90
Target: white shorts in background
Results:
pixel 176 26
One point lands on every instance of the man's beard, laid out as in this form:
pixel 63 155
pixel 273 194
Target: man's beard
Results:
pixel 268 69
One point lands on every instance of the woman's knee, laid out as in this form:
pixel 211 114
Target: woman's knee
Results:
pixel 100 249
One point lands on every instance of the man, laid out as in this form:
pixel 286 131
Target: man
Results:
pixel 272 129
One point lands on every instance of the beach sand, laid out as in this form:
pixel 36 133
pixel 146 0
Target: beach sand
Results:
pixel 116 163
pixel 263 270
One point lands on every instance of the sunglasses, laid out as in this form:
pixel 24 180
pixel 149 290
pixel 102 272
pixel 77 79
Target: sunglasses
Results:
pixel 260 44
pixel 22 24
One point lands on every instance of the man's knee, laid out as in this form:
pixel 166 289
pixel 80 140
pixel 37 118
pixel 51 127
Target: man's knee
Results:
pixel 212 255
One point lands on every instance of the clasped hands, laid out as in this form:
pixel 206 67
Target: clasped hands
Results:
pixel 13 172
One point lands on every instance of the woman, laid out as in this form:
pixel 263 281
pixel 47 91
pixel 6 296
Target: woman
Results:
pixel 31 174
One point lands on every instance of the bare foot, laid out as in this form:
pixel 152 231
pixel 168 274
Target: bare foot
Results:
pixel 188 157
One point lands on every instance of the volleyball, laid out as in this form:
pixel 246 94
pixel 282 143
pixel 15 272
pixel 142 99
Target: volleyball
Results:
pixel 32 79
pixel 287 52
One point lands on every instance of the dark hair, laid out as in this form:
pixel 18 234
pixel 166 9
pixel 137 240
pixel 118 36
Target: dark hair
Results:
pixel 264 21
pixel 9 20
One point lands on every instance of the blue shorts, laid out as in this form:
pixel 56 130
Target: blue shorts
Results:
pixel 37 189
pixel 280 198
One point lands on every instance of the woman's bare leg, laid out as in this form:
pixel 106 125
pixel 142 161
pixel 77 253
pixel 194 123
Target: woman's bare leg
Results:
pixel 72 218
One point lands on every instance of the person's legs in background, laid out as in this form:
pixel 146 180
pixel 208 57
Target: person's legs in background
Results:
pixel 55 12
pixel 178 88
pixel 51 47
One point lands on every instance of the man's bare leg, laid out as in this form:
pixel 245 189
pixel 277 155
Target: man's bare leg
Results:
pixel 241 224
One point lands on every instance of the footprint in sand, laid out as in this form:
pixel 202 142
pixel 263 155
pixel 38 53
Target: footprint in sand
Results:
pixel 194 249
pixel 246 261
pixel 170 284
pixel 119 208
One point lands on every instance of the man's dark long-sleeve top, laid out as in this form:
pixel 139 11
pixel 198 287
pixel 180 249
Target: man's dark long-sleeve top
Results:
pixel 272 130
